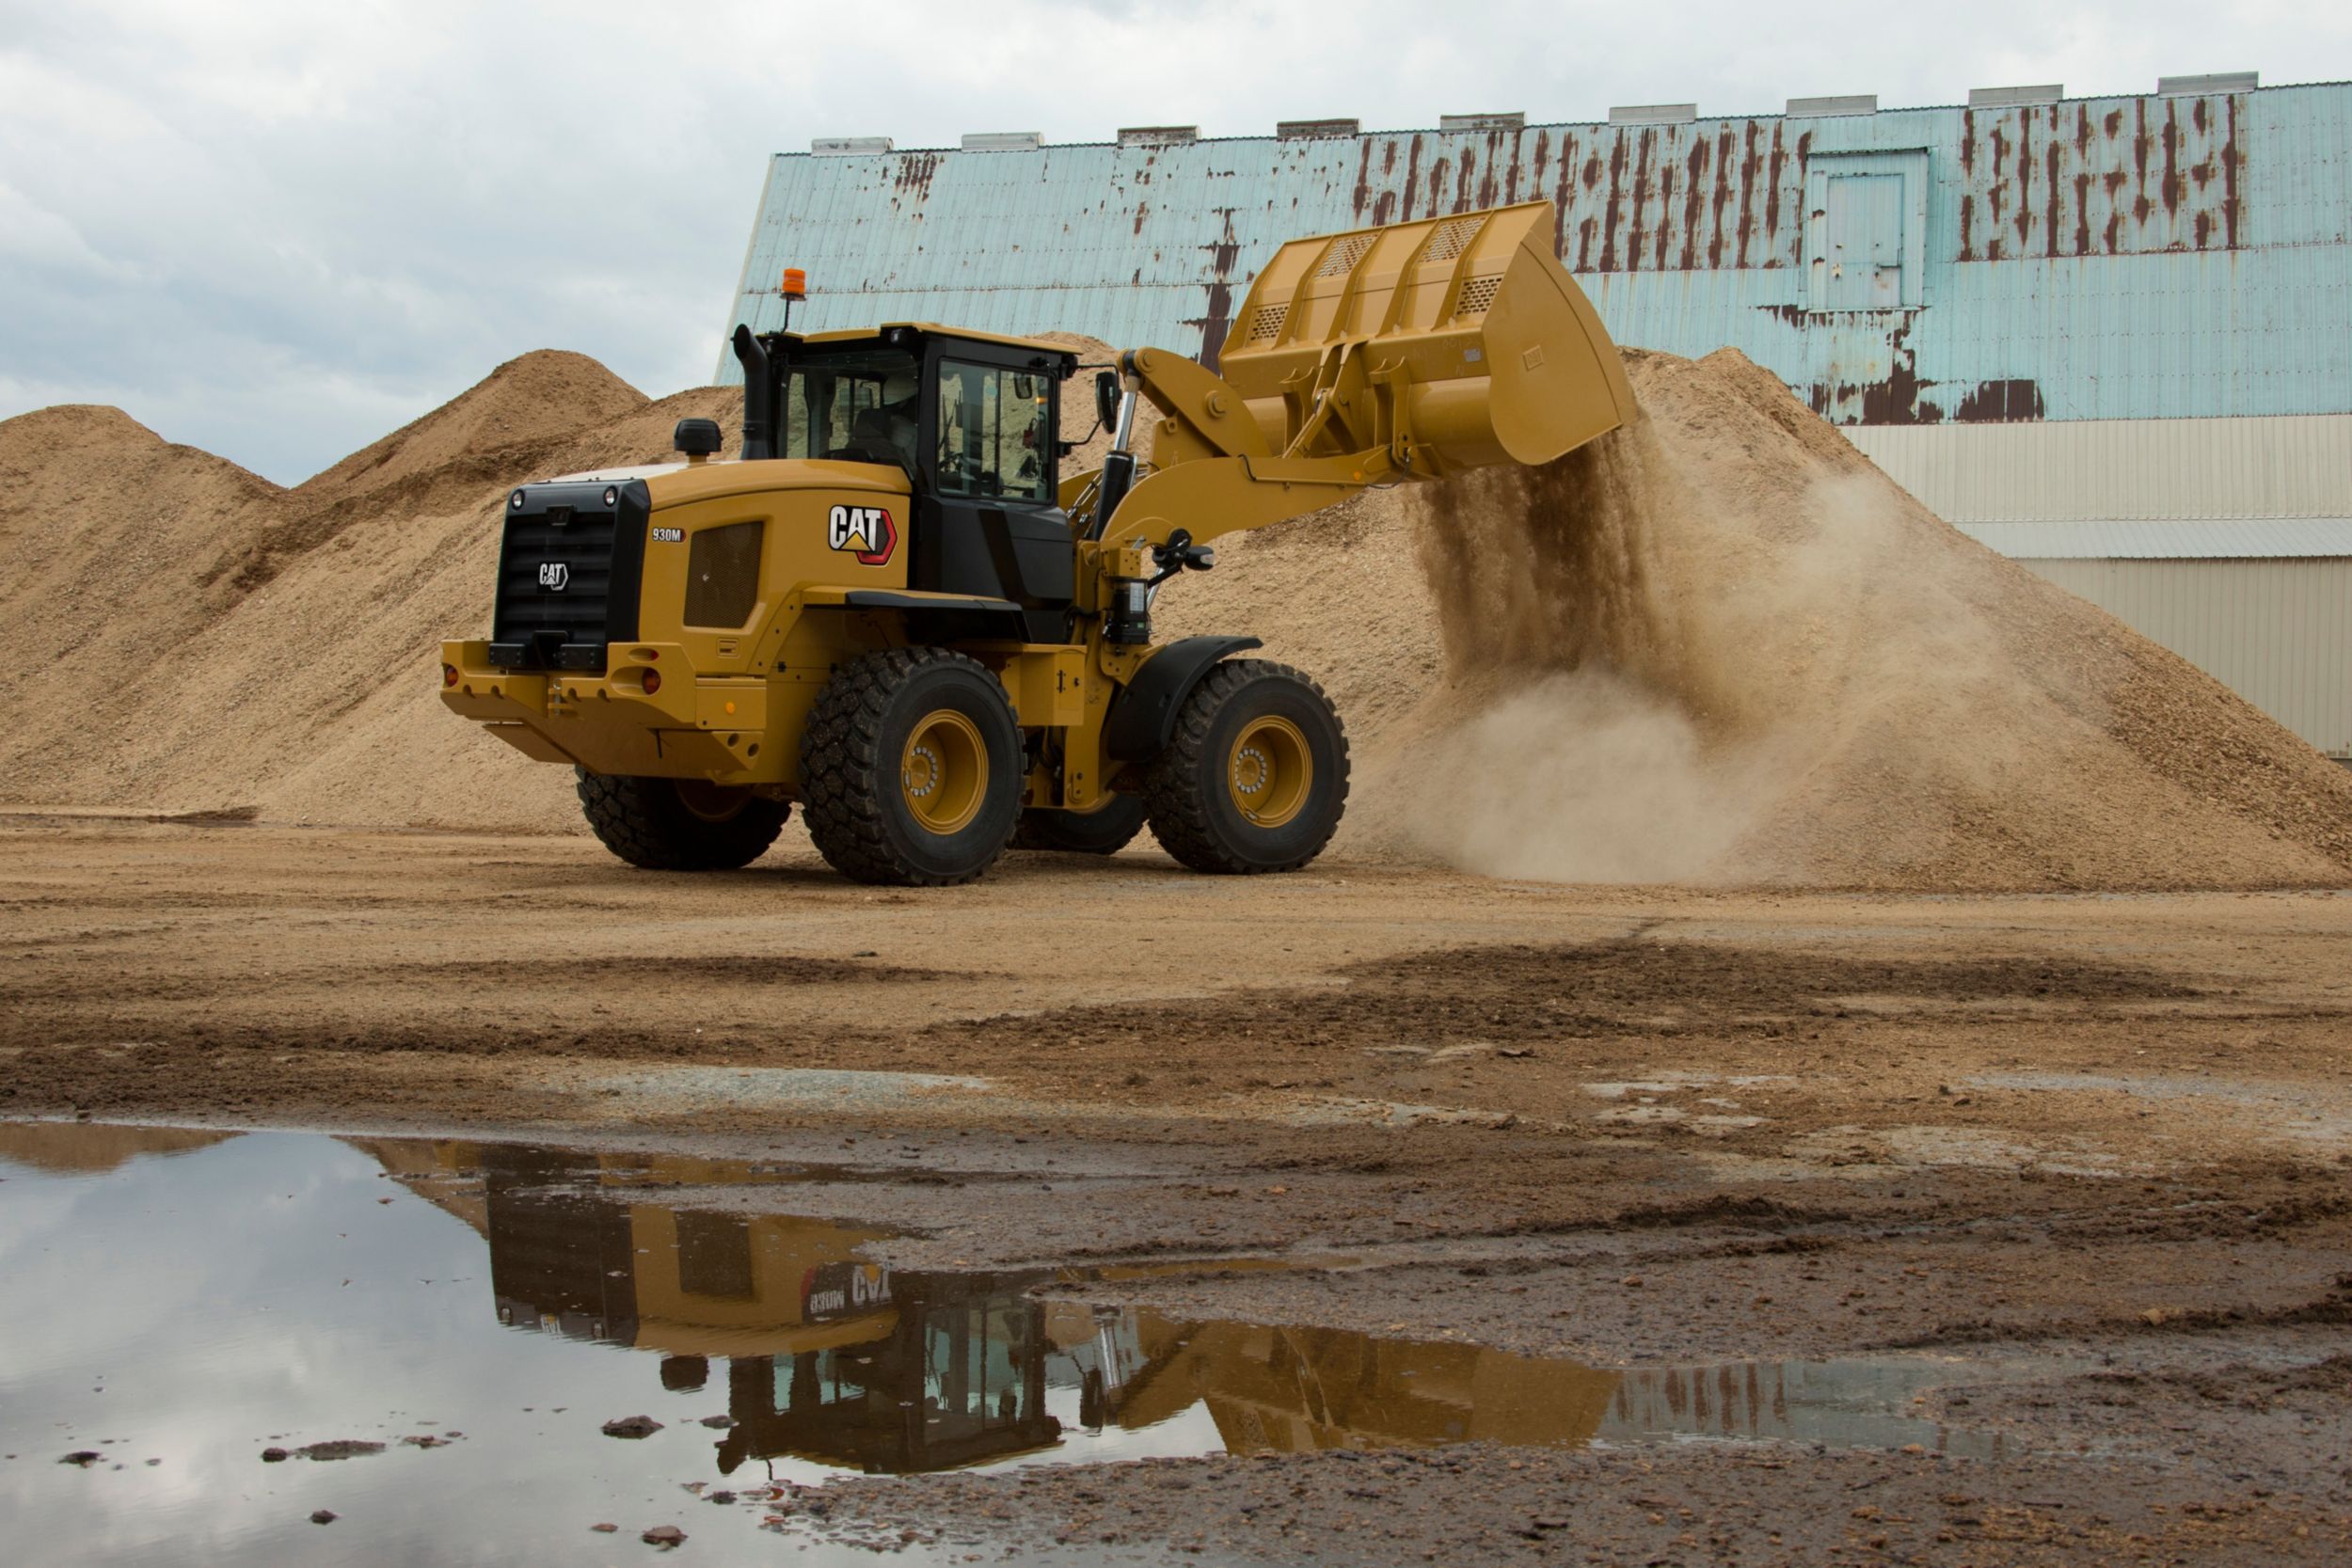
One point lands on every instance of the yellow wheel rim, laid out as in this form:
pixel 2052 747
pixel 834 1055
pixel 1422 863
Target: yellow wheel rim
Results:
pixel 1270 771
pixel 711 802
pixel 943 774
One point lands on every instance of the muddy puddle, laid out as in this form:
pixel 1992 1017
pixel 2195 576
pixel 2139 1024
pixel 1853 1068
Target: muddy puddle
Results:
pixel 475 1330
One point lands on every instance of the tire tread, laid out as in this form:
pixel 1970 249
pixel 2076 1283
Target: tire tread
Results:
pixel 844 775
pixel 630 818
pixel 1176 783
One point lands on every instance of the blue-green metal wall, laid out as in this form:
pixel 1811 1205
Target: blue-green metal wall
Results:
pixel 2091 259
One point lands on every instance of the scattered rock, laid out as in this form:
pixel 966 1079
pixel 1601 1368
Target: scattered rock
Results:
pixel 606 1530
pixel 323 1516
pixel 718 1423
pixel 721 1497
pixel 632 1426
pixel 274 1456
pixel 667 1537
pixel 82 1457
pixel 340 1448
pixel 426 1440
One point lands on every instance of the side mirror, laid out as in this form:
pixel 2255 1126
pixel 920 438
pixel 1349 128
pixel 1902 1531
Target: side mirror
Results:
pixel 1106 398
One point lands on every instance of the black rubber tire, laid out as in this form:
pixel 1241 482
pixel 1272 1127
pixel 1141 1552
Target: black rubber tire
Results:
pixel 646 823
pixel 850 758
pixel 1104 830
pixel 1193 814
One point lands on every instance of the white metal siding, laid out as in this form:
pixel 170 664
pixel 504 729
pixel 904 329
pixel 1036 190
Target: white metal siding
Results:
pixel 2277 632
pixel 2289 465
pixel 2232 538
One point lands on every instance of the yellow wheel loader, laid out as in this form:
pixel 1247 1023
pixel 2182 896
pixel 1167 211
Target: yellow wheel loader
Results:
pixel 894 611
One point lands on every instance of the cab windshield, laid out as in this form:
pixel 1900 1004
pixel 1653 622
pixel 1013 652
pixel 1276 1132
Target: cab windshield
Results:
pixel 858 408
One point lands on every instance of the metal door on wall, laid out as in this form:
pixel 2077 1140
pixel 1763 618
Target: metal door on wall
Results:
pixel 1864 250
pixel 1865 228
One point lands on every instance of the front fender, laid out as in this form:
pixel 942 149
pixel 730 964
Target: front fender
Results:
pixel 1142 718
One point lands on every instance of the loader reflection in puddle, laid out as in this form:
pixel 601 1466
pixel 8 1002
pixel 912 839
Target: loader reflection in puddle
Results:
pixel 841 1362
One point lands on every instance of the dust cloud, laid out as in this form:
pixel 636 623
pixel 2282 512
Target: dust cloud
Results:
pixel 1570 739
pixel 1720 647
pixel 1575 776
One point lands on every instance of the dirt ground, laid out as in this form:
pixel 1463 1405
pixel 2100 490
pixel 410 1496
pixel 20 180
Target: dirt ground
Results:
pixel 2095 1149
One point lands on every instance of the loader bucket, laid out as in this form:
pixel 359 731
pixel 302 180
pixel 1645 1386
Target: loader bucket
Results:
pixel 1463 336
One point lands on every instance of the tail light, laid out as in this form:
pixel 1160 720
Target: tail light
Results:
pixel 653 682
pixel 449 675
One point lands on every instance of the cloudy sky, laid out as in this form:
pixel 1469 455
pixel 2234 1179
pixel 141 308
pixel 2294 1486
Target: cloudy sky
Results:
pixel 277 229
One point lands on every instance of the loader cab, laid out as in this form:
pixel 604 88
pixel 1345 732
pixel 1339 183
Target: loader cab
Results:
pixel 972 420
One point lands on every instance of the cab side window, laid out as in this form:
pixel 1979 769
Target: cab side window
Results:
pixel 995 433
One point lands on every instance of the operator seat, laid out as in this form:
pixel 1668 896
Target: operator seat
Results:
pixel 875 436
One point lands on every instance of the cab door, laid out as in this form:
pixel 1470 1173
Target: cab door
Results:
pixel 987 522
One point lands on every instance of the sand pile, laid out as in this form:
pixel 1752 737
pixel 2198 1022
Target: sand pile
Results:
pixel 1720 647
pixel 200 639
pixel 1723 647
pixel 120 549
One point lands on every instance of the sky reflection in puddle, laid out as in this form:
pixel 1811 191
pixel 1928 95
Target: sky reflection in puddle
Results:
pixel 176 1302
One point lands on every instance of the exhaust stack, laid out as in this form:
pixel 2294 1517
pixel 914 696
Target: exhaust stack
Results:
pixel 759 396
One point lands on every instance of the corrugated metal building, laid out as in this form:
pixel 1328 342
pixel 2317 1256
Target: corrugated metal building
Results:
pixel 2110 336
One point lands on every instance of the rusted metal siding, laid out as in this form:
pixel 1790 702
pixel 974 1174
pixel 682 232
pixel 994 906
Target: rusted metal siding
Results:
pixel 2116 177
pixel 2093 259
pixel 2277 632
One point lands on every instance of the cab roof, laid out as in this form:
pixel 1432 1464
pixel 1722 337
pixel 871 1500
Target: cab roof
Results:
pixel 934 329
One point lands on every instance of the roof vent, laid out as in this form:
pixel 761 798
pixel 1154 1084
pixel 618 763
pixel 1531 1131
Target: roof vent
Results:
pixel 1514 122
pixel 1157 136
pixel 1816 108
pixel 1003 141
pixel 2008 98
pixel 1653 114
pixel 1293 129
pixel 2220 81
pixel 849 147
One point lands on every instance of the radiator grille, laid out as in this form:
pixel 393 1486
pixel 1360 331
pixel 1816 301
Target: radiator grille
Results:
pixel 568 570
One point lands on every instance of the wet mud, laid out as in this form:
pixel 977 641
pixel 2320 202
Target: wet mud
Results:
pixel 1359 1216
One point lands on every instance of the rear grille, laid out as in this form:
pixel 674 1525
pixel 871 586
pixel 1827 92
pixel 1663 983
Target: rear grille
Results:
pixel 569 569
